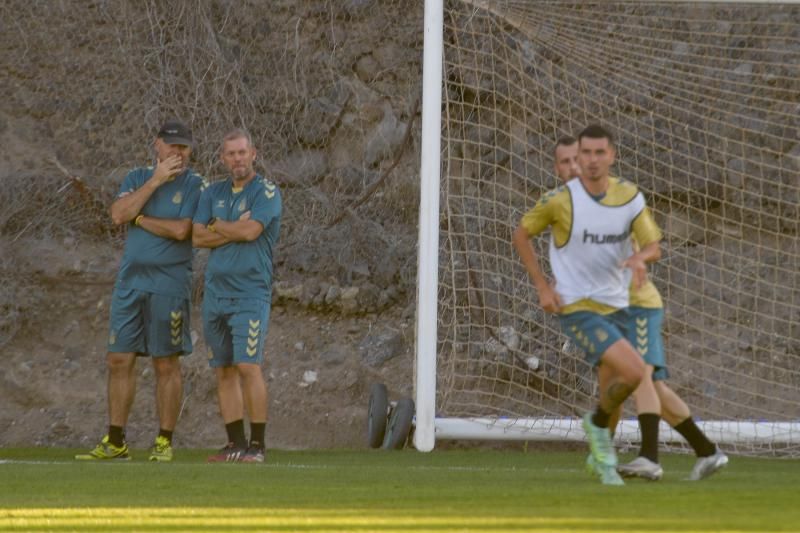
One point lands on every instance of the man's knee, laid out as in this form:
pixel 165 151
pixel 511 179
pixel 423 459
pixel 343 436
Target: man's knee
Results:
pixel 226 374
pixel 250 373
pixel 120 363
pixel 625 363
pixel 167 367
pixel 632 374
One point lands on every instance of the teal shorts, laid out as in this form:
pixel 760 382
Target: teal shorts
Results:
pixel 645 335
pixel 235 330
pixel 149 324
pixel 595 333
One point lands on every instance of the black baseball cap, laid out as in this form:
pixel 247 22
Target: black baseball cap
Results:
pixel 176 132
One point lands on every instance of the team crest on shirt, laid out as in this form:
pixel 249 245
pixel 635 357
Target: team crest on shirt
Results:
pixel 600 334
pixel 177 198
pixel 242 205
pixel 112 338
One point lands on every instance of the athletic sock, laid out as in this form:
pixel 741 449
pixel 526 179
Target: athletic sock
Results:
pixel 600 418
pixel 696 438
pixel 116 436
pixel 257 434
pixel 648 424
pixel 167 434
pixel 235 431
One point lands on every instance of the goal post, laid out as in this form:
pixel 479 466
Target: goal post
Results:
pixel 427 265
pixel 703 99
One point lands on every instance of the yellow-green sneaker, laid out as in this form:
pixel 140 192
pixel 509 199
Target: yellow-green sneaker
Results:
pixel 161 450
pixel 105 450
pixel 590 464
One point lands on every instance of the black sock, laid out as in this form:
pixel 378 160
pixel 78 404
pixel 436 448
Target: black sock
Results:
pixel 257 434
pixel 116 435
pixel 600 418
pixel 235 431
pixel 696 438
pixel 648 424
pixel 167 434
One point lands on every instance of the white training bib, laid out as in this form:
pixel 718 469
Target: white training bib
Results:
pixel 589 265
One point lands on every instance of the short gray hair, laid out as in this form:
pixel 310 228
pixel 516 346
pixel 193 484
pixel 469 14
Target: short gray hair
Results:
pixel 236 133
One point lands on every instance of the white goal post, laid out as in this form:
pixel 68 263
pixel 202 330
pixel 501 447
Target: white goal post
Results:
pixel 703 98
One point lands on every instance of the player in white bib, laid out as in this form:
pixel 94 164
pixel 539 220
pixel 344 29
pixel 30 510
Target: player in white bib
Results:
pixel 593 262
pixel 653 397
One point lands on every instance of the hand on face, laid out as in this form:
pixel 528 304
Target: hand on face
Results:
pixel 168 168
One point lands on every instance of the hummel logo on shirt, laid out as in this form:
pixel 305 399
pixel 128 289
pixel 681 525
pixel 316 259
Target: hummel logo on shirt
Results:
pixel 594 238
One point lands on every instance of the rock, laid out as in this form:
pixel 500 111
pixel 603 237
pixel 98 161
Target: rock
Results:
pixel 494 347
pixel 533 362
pixel 60 430
pixel 794 156
pixel 508 336
pixel 70 365
pixel 319 298
pixel 381 346
pixel 346 381
pixel 387 269
pixel 349 299
pixel 333 294
pixel 283 290
pixel 309 377
pixel 388 55
pixel 26 396
pixel 317 121
pixel 333 355
pixel 310 291
pixel 358 270
pixel 302 168
pixel 368 297
pixel 357 8
pixel 680 48
pixel 745 69
pixel 734 173
pixel 367 68
pixel 384 137
pixel 681 228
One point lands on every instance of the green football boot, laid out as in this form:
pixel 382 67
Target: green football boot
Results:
pixel 603 454
pixel 105 451
pixel 161 450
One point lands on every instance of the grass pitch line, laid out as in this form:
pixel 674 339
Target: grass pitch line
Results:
pixel 298 466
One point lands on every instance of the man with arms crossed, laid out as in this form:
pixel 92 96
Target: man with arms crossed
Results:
pixel 593 261
pixel 653 397
pixel 239 220
pixel 150 303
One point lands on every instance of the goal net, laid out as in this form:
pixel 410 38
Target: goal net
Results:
pixel 704 100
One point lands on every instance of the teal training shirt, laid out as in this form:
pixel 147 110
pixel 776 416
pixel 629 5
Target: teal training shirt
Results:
pixel 242 269
pixel 157 264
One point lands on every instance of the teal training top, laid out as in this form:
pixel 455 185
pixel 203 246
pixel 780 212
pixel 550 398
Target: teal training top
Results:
pixel 242 269
pixel 157 264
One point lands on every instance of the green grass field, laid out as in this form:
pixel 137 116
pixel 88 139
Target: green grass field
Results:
pixel 45 490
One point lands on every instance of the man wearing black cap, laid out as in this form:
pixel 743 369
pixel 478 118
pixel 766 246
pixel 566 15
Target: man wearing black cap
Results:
pixel 150 302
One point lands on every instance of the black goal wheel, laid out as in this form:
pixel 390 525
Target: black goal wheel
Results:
pixel 399 425
pixel 376 415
